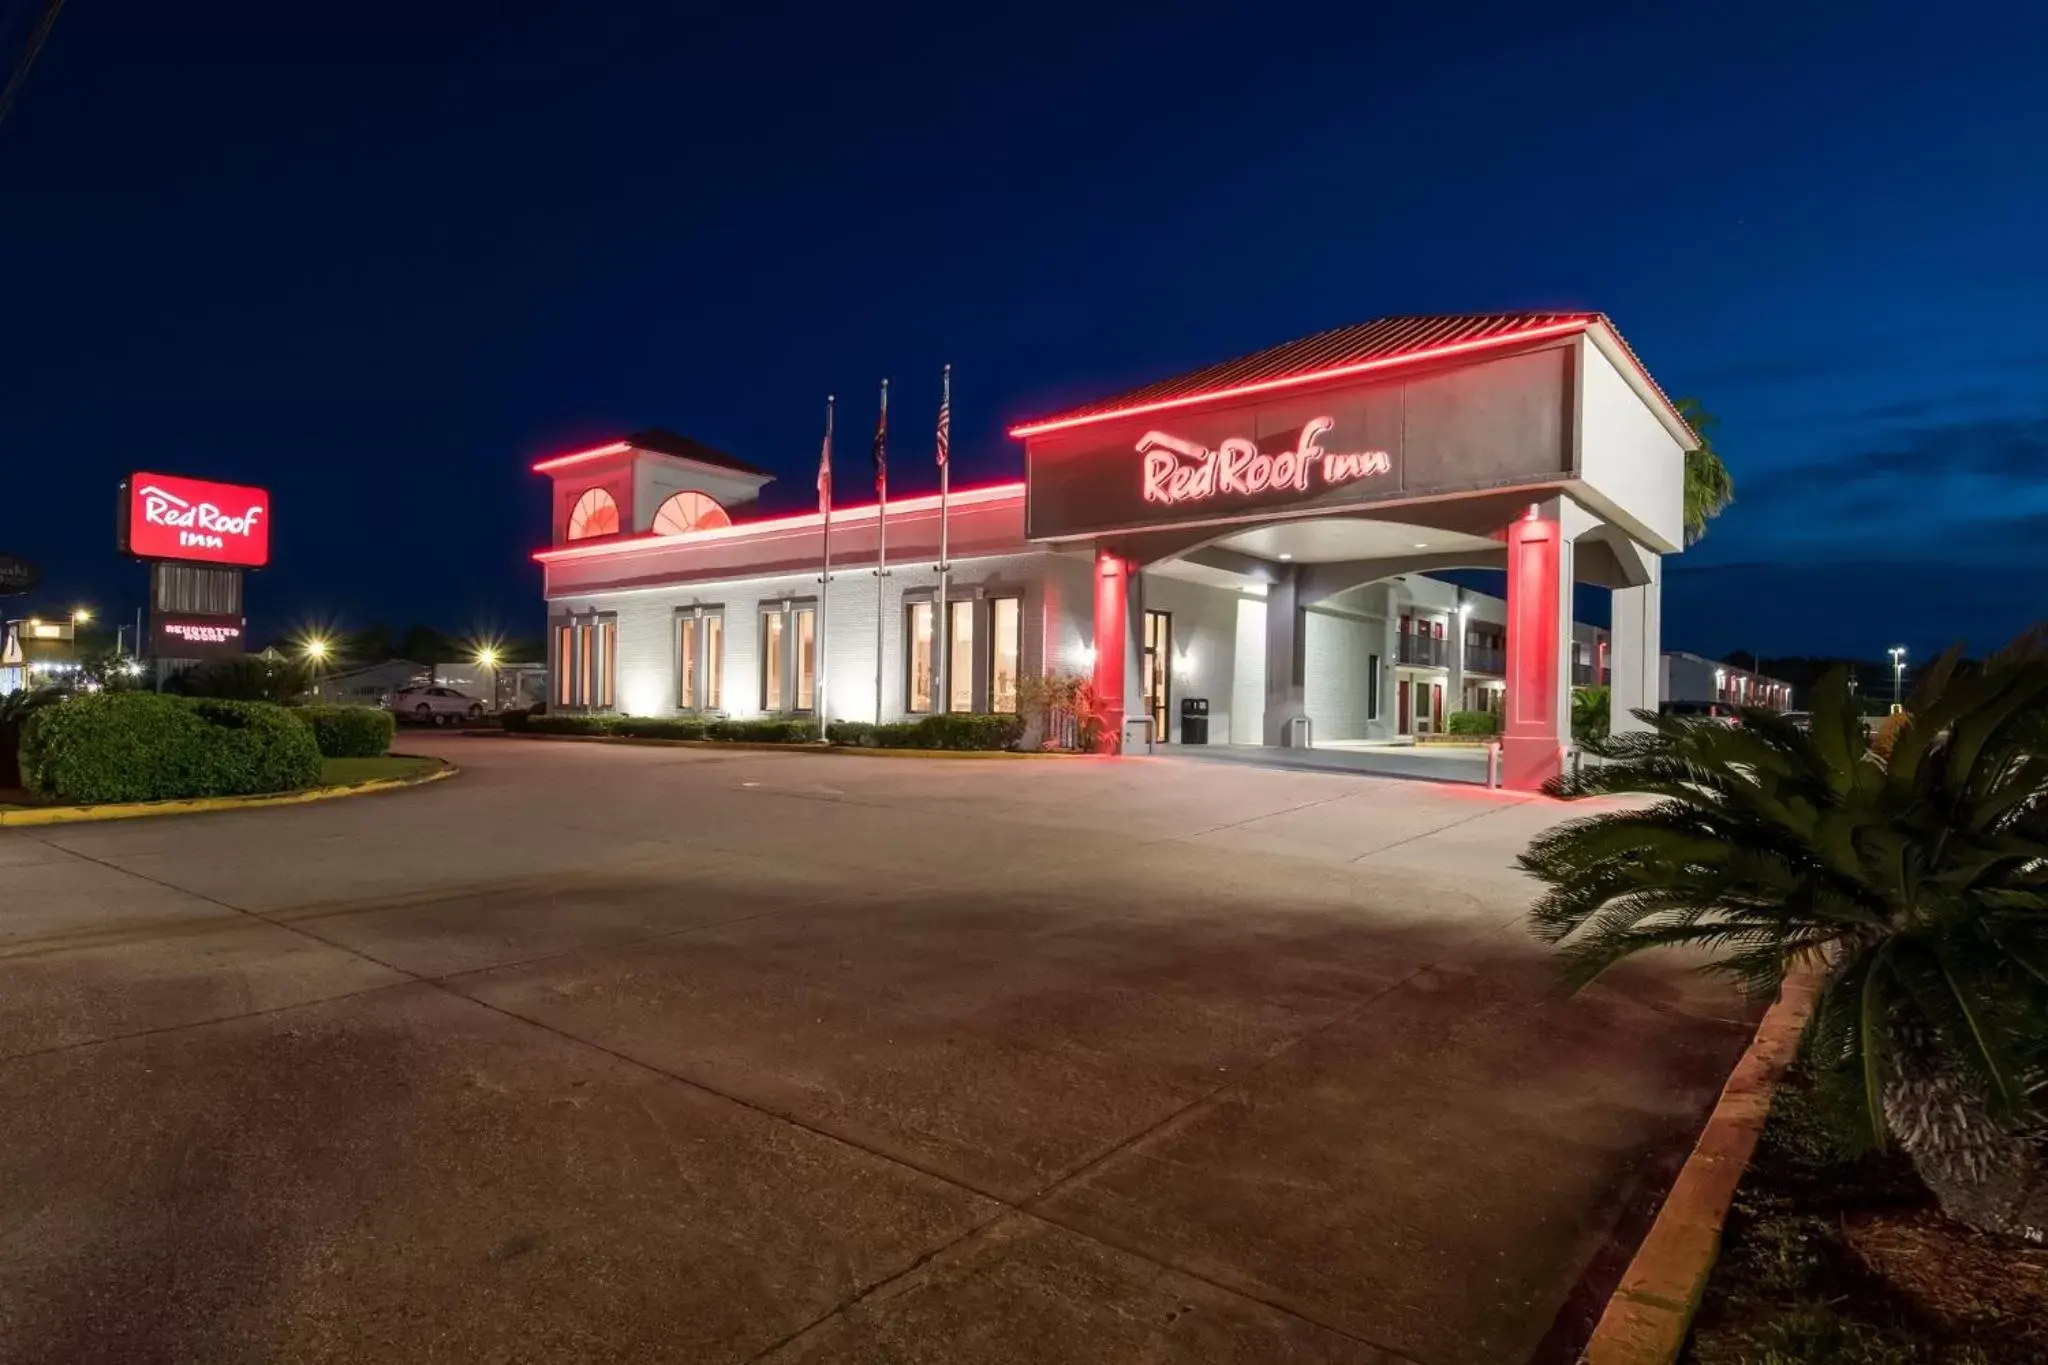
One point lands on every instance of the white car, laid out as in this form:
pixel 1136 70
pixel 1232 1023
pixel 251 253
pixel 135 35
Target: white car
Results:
pixel 434 704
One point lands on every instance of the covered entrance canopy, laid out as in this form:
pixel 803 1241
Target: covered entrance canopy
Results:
pixel 1533 443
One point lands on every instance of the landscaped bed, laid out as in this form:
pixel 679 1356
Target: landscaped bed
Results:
pixel 1836 1253
pixel 338 772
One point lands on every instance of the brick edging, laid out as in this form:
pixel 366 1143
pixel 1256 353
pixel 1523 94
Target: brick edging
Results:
pixel 1651 1311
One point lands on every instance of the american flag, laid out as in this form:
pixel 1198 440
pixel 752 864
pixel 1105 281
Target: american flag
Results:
pixel 946 418
pixel 881 451
pixel 825 464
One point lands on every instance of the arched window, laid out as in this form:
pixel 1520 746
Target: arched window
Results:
pixel 595 514
pixel 688 512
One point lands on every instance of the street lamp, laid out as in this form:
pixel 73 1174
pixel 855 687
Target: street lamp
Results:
pixel 81 616
pixel 1898 653
pixel 487 657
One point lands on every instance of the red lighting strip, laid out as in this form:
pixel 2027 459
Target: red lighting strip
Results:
pixel 1555 329
pixel 968 497
pixel 558 461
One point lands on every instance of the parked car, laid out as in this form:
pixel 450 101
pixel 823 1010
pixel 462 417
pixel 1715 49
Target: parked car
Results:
pixel 434 705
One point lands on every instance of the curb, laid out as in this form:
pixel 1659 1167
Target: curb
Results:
pixel 751 746
pixel 136 810
pixel 1650 1313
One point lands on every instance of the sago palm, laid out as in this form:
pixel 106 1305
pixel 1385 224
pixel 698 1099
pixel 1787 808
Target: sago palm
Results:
pixel 1916 885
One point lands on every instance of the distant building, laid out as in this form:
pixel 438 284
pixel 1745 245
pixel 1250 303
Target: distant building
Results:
pixel 1693 680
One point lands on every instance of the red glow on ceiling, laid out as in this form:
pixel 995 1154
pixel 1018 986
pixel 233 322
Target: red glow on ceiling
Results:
pixel 1556 329
pixel 802 521
pixel 559 461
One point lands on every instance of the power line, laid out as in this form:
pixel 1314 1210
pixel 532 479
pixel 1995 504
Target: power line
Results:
pixel 28 57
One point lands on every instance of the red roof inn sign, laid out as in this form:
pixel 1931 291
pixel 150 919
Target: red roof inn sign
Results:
pixel 168 516
pixel 1495 423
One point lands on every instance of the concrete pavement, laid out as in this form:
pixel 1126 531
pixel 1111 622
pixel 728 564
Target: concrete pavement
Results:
pixel 610 1053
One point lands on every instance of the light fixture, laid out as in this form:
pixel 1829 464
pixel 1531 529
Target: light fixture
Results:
pixel 1087 656
pixel 1285 555
pixel 1422 545
pixel 487 657
pixel 81 615
pixel 1464 608
pixel 315 648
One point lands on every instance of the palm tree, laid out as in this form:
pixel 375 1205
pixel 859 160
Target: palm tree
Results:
pixel 1915 885
pixel 1709 488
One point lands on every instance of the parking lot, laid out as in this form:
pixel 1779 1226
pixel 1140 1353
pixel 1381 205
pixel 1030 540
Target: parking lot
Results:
pixel 627 1053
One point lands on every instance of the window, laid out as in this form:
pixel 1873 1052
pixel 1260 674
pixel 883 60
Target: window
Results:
pixel 918 632
pixel 1005 652
pixel 806 659
pixel 688 633
pixel 771 661
pixel 1158 665
pixel 586 663
pixel 595 514
pixel 688 511
pixel 960 656
pixel 1372 687
pixel 789 657
pixel 714 663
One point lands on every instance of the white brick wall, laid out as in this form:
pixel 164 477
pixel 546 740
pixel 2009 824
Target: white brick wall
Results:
pixel 646 617
pixel 1337 667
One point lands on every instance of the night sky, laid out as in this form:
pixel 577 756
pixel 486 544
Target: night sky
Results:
pixel 381 258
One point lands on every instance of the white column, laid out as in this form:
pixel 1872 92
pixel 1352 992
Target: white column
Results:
pixel 1635 656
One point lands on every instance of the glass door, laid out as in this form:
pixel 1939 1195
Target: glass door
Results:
pixel 1159 671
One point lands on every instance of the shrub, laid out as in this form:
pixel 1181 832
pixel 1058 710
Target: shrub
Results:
pixel 349 731
pixel 1591 709
pixel 515 722
pixel 142 746
pixel 852 734
pixel 570 725
pixel 969 731
pixel 659 727
pixel 766 730
pixel 1472 723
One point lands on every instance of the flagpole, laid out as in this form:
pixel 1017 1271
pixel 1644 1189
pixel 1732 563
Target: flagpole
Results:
pixel 944 631
pixel 825 576
pixel 881 540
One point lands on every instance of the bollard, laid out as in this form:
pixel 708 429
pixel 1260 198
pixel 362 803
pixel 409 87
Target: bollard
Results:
pixel 1493 766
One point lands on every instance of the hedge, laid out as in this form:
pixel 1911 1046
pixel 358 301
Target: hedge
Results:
pixel 145 746
pixel 349 731
pixel 1472 723
pixel 959 731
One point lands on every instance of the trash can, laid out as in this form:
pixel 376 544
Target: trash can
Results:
pixel 1194 720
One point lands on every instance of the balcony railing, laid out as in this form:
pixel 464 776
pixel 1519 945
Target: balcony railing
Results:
pixel 1424 651
pixel 1485 659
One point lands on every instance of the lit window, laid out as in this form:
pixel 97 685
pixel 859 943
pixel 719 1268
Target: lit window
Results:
pixel 584 665
pixel 608 656
pixel 1006 647
pixel 960 656
pixel 689 511
pixel 771 662
pixel 565 660
pixel 714 662
pixel 806 659
pixel 595 514
pixel 919 634
pixel 686 663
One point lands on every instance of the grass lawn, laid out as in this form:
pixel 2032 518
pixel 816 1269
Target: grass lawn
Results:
pixel 336 772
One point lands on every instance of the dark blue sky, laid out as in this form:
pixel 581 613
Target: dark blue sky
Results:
pixel 380 259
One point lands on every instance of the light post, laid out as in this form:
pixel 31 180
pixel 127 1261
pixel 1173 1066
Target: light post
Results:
pixel 315 650
pixel 1898 653
pixel 487 660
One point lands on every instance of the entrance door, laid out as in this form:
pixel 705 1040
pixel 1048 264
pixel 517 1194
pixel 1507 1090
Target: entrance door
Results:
pixel 1406 716
pixel 1436 722
pixel 1159 671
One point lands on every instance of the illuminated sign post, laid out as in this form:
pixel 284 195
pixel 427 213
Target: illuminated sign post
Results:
pixel 199 538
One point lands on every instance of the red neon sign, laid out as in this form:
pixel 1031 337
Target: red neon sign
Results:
pixel 168 516
pixel 1178 470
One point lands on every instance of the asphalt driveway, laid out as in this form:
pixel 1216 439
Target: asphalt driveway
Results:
pixel 611 1053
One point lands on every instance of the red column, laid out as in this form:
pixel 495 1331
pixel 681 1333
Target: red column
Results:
pixel 1532 750
pixel 1111 584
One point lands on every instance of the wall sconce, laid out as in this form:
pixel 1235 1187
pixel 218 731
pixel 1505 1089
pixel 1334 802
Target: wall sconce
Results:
pixel 1183 663
pixel 1087 656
